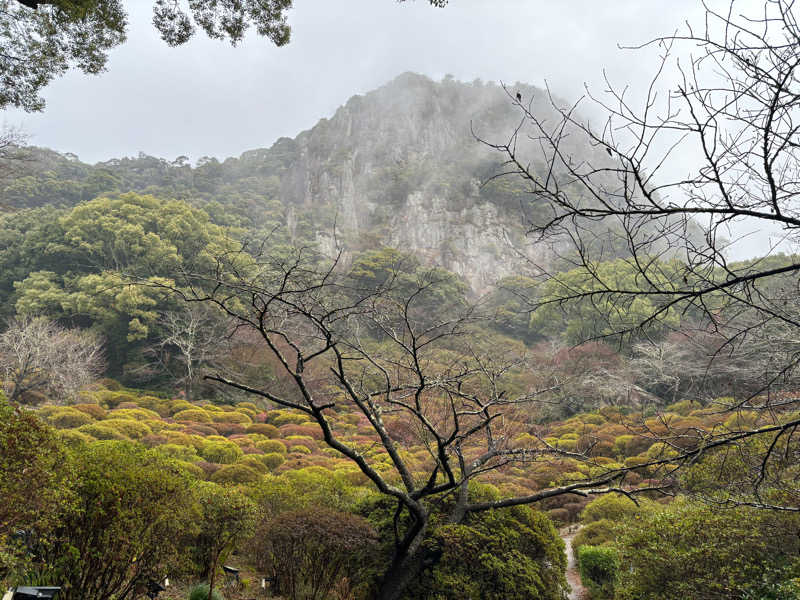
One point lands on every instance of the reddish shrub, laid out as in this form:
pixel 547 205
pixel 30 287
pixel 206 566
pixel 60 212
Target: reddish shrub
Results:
pixel 228 429
pixel 93 410
pixel 309 430
pixel 154 440
pixel 200 429
pixel 264 429
pixel 208 468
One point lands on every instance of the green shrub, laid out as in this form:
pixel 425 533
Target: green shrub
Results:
pixel 223 452
pixel 131 502
pixel 67 417
pixel 185 453
pixel 614 508
pixel 110 384
pixel 272 460
pixel 264 429
pixel 300 449
pixel 132 429
pixel 599 566
pixel 254 462
pixel 596 533
pixel 137 414
pixel 101 431
pixel 198 415
pixel 192 469
pixel 270 446
pixel 200 592
pixel 231 417
pixel 177 405
pixel 285 418
pixel 236 474
pixel 691 550
pixel 114 399
pixel 71 437
pixel 93 410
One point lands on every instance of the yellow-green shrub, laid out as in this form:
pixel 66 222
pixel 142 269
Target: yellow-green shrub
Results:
pixel 254 461
pixel 72 437
pixel 66 417
pixel 264 429
pixel 236 474
pixel 231 417
pixel 223 452
pixel 198 415
pixel 93 410
pixel 285 418
pixel 135 430
pixel 269 446
pixel 273 460
pixel 192 469
pixel 184 453
pixel 102 431
pixel 177 405
pixel 138 414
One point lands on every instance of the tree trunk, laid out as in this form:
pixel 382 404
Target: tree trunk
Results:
pixel 408 564
pixel 212 576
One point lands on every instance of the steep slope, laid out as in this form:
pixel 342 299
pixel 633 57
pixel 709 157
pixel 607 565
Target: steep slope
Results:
pixel 399 166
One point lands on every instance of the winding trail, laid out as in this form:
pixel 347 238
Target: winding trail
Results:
pixel 578 592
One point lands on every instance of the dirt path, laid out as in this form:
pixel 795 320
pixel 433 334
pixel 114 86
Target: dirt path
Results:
pixel 573 577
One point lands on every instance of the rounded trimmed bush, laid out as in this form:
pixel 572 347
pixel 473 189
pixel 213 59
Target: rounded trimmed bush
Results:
pixel 264 429
pixel 178 437
pixel 220 452
pixel 114 399
pixel 299 449
pixel 273 460
pixel 178 404
pixel 236 474
pixel 153 440
pixel 138 414
pixel 93 410
pixel 231 417
pixel 132 429
pixel 197 415
pixel 196 429
pixel 254 462
pixel 102 431
pixel 184 453
pixel 269 446
pixel 72 437
pixel 192 469
pixel 67 417
pixel 279 417
pixel 226 429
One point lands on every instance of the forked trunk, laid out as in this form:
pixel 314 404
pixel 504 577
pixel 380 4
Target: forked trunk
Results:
pixel 407 566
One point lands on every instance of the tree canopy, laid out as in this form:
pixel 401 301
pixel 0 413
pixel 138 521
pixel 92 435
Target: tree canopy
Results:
pixel 42 39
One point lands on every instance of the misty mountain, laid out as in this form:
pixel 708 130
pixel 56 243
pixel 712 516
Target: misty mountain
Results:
pixel 400 166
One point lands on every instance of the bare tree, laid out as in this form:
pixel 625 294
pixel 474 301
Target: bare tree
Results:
pixel 37 355
pixel 197 337
pixel 416 365
pixel 733 105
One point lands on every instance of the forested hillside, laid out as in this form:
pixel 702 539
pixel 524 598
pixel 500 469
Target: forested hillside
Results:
pixel 399 166
pixel 343 364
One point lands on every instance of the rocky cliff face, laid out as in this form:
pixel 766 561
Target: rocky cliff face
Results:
pixel 401 167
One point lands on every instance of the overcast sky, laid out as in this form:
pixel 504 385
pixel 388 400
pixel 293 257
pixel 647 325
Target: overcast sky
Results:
pixel 207 98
